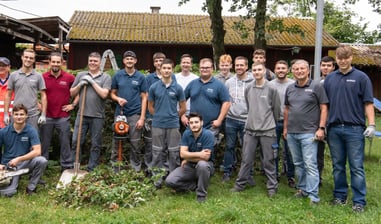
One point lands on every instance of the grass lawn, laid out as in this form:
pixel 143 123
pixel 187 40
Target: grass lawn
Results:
pixel 222 206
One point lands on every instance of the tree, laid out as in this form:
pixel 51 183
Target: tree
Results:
pixel 338 21
pixel 214 9
pixel 258 9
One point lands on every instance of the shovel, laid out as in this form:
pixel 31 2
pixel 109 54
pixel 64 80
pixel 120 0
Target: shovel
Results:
pixel 71 174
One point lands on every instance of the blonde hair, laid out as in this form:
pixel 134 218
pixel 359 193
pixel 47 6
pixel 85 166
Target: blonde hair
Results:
pixel 226 58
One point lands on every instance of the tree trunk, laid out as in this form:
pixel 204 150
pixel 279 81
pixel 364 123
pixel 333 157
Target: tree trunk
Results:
pixel 260 25
pixel 218 32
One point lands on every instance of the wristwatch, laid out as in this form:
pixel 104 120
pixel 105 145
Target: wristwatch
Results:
pixel 322 128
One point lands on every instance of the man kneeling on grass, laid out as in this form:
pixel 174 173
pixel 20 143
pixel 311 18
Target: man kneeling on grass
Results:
pixel 22 149
pixel 196 150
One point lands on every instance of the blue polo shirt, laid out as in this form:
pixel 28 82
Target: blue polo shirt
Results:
pixel 17 144
pixel 347 95
pixel 165 103
pixel 206 99
pixel 204 141
pixel 151 79
pixel 129 87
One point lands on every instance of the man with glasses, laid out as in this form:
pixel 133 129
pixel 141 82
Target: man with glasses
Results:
pixel 208 97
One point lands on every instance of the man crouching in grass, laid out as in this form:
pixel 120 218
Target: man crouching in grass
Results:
pixel 196 150
pixel 22 149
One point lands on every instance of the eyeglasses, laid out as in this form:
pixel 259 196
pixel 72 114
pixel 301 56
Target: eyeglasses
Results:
pixel 205 68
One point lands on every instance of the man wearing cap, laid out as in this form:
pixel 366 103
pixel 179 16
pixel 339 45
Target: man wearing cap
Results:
pixel 129 91
pixel 99 85
pixel 26 84
pixel 5 67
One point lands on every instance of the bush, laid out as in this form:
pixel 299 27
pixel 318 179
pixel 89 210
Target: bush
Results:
pixel 106 188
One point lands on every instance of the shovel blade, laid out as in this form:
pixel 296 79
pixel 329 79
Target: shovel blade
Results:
pixel 68 176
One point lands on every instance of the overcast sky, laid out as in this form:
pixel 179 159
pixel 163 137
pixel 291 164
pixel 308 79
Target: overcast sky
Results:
pixel 65 8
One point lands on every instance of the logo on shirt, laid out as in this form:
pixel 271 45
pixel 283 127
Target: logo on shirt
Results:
pixel 135 83
pixel 209 90
pixel 351 80
pixel 63 83
pixel 171 93
pixel 308 90
pixel 25 139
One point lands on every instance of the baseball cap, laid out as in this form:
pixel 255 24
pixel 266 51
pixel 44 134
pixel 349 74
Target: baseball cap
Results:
pixel 129 54
pixel 5 61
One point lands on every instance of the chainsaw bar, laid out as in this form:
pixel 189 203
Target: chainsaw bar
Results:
pixel 6 173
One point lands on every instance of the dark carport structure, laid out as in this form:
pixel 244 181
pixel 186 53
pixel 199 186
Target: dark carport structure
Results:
pixel 49 32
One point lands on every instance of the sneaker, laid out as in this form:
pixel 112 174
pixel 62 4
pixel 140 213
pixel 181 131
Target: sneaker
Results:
pixel 30 192
pixel 338 201
pixel 300 194
pixel 251 181
pixel 201 199
pixel 291 182
pixel 226 178
pixel 358 208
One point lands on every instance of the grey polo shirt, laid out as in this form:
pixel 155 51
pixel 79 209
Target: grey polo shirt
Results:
pixel 26 88
pixel 304 106
pixel 94 104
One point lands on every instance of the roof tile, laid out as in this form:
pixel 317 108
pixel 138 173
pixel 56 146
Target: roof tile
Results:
pixel 178 29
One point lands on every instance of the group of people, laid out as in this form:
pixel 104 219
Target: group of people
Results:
pixel 180 117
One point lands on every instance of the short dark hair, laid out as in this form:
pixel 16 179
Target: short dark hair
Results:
pixel 242 58
pixel 328 59
pixel 19 107
pixel 194 114
pixel 158 55
pixel 167 61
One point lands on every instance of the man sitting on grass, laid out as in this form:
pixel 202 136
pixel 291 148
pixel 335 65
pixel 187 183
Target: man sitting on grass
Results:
pixel 22 149
pixel 196 150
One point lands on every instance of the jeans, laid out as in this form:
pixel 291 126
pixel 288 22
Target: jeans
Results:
pixel 303 148
pixel 95 126
pixel 347 141
pixel 62 125
pixel 287 158
pixel 232 129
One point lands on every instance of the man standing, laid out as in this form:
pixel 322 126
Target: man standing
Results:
pixel 305 116
pixel 22 149
pixel 183 78
pixel 196 150
pixel 208 97
pixel 26 83
pixel 58 83
pixel 5 67
pixel 327 65
pixel 129 91
pixel 224 65
pixel 281 83
pixel 163 98
pixel 350 99
pixel 259 56
pixel 99 85
pixel 263 105
pixel 151 78
pixel 237 115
